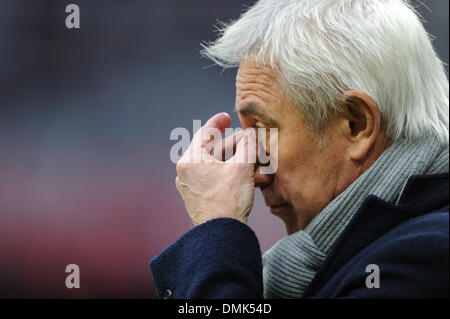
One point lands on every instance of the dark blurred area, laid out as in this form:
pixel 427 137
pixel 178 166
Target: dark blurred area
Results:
pixel 85 119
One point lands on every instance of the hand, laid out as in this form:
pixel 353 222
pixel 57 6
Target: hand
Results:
pixel 212 188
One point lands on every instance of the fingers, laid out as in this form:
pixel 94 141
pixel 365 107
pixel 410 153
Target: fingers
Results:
pixel 246 149
pixel 225 148
pixel 220 121
pixel 198 150
pixel 213 129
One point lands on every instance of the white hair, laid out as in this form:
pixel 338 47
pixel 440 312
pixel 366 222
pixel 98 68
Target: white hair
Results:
pixel 322 48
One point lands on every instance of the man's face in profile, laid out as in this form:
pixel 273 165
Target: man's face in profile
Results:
pixel 307 176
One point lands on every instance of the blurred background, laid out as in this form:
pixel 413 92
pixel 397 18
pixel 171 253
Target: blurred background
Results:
pixel 85 119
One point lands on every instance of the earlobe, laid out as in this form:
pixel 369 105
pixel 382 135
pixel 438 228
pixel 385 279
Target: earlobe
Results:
pixel 364 121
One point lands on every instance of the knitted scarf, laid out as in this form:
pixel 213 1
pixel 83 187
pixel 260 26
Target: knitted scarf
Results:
pixel 292 262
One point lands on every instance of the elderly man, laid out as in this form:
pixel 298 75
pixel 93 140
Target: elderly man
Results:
pixel 360 101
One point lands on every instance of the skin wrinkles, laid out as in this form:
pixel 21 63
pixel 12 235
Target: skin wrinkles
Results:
pixel 255 88
pixel 308 177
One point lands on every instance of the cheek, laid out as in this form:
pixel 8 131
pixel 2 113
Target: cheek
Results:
pixel 296 159
pixel 289 161
pixel 290 155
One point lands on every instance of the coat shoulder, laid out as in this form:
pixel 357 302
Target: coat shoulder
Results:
pixel 412 261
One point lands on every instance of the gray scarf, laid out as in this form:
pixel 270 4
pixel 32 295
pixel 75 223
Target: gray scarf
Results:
pixel 292 262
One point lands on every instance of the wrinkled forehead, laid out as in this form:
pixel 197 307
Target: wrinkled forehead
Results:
pixel 257 81
pixel 258 93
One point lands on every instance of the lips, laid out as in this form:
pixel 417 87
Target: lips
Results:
pixel 279 205
pixel 274 202
pixel 281 208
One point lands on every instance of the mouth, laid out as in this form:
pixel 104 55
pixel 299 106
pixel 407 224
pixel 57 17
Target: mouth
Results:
pixel 280 207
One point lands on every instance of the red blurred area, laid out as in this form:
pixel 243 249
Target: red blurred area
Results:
pixel 110 225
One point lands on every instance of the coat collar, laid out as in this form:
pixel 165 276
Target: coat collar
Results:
pixel 422 194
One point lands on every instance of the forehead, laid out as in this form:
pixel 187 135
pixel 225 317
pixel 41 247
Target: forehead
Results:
pixel 251 73
pixel 252 68
pixel 258 85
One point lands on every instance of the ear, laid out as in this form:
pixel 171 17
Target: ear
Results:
pixel 362 123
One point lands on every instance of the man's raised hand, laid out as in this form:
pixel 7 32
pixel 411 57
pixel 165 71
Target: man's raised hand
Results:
pixel 212 185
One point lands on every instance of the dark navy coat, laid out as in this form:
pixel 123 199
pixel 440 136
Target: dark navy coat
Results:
pixel 409 243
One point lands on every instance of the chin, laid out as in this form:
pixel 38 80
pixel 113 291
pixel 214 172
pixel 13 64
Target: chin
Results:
pixel 293 221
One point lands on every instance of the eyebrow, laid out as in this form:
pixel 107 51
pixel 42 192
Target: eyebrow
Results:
pixel 252 109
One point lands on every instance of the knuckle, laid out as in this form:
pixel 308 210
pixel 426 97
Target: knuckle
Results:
pixel 177 183
pixel 180 167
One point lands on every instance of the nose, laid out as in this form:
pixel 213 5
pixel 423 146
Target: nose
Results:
pixel 262 180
